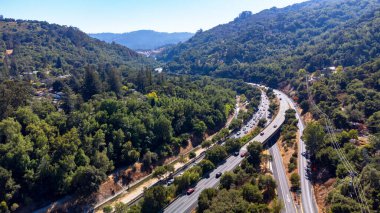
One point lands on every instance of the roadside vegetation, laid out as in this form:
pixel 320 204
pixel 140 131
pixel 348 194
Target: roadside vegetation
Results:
pixel 107 119
pixel 245 189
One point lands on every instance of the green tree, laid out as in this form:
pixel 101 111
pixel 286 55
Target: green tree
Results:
pixel 227 179
pixel 114 81
pixel 205 199
pixel 206 165
pixel 313 136
pixel 268 184
pixel 199 128
pixel 159 172
pixel 91 84
pixel 232 145
pixel 295 181
pixel 155 198
pixel 13 94
pixel 251 193
pixel 8 186
pixel 163 130
pixel 107 209
pixel 216 154
pixel 87 180
pixel 373 122
pixel 121 207
pixel 262 122
pixel 235 124
pixel 255 153
pixel 192 155
pixel 277 206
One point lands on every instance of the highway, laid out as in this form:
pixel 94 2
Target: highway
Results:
pixel 278 168
pixel 307 196
pixel 186 203
pixel 252 123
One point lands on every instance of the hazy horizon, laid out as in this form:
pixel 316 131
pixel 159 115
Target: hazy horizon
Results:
pixel 119 16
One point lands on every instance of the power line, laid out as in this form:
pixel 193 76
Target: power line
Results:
pixel 358 190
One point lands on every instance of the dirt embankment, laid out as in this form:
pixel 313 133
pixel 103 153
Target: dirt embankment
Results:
pixel 321 191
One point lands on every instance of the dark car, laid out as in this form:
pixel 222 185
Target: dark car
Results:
pixel 170 182
pixel 218 174
pixel 236 153
pixel 190 191
pixel 261 133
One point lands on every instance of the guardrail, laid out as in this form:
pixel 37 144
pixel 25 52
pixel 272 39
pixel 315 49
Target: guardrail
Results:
pixel 134 200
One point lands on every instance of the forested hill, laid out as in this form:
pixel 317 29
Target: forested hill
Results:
pixel 143 39
pixel 270 45
pixel 27 46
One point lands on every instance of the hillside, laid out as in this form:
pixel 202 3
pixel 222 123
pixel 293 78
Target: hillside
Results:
pixel 27 46
pixel 143 39
pixel 270 45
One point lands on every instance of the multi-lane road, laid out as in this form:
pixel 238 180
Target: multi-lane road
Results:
pixel 186 203
pixel 307 196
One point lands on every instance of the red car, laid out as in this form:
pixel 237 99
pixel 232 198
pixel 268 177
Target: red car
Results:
pixel 243 154
pixel 190 191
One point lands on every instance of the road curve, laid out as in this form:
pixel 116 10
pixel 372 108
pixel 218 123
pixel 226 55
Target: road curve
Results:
pixel 307 196
pixel 186 203
pixel 278 169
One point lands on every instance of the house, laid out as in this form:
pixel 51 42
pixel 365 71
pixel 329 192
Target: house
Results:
pixel 327 71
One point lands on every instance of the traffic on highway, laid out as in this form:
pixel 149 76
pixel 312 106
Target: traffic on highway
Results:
pixel 188 202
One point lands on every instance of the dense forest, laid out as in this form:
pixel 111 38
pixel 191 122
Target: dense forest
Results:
pixel 73 109
pixel 92 107
pixel 269 46
pixel 49 151
pixel 350 99
pixel 334 43
pixel 50 49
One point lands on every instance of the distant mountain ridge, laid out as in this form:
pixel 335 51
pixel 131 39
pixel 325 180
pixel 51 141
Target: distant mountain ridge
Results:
pixel 143 39
pixel 270 45
pixel 27 46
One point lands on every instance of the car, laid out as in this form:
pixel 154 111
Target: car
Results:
pixel 280 99
pixel 275 126
pixel 190 191
pixel 217 175
pixel 261 133
pixel 238 133
pixel 236 153
pixel 170 182
pixel 243 154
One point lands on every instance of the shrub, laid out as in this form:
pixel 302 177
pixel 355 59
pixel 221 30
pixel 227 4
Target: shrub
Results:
pixel 192 155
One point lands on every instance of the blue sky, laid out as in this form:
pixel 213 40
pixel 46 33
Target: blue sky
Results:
pixel 94 16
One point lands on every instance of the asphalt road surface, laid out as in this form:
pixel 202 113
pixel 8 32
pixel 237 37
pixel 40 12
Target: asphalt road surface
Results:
pixel 186 203
pixel 278 169
pixel 307 196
